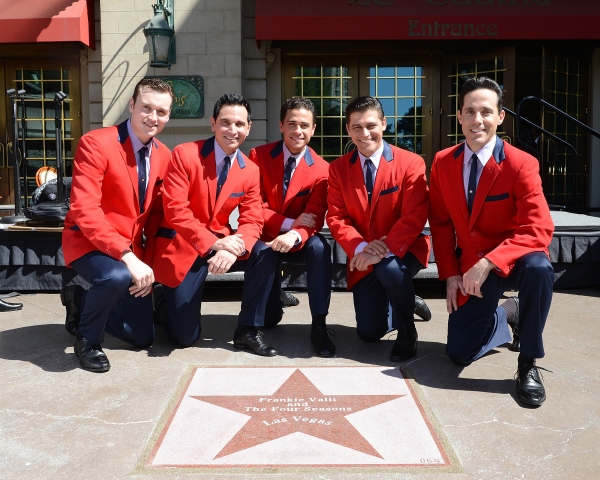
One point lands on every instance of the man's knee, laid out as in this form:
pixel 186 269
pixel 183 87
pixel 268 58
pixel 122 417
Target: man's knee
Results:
pixel 184 339
pixel 318 246
pixel 369 335
pixel 117 279
pixel 458 356
pixel 537 266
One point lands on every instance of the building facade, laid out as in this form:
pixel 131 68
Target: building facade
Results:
pixel 414 56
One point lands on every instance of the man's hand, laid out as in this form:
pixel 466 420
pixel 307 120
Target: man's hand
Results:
pixel 476 275
pixel 453 285
pixel 377 248
pixel 284 242
pixel 361 261
pixel 231 243
pixel 141 275
pixel 221 262
pixel 305 220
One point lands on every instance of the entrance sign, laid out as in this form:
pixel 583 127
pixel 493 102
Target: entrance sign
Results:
pixel 298 417
pixel 189 96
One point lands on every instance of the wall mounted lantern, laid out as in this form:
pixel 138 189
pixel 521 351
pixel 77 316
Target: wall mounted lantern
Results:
pixel 160 35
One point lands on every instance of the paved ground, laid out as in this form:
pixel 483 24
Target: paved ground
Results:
pixel 58 421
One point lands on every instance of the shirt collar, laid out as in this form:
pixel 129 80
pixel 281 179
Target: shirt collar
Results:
pixel 136 143
pixel 220 154
pixel 375 158
pixel 287 154
pixel 483 154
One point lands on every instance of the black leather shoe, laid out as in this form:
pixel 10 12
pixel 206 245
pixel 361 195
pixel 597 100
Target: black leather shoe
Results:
pixel 319 337
pixel 405 346
pixel 529 385
pixel 512 318
pixel 91 357
pixel 67 298
pixel 9 307
pixel 288 299
pixel 421 309
pixel 249 337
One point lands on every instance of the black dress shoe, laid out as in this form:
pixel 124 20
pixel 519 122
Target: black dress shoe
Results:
pixel 421 309
pixel 91 357
pixel 511 306
pixel 529 384
pixel 405 346
pixel 9 307
pixel 288 299
pixel 67 298
pixel 319 337
pixel 250 337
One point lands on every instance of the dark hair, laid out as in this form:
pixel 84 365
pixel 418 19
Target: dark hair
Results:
pixel 296 103
pixel 231 99
pixel 477 83
pixel 155 84
pixel 362 104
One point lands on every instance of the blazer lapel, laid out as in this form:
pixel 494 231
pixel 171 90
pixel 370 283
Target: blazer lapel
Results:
pixel 382 173
pixel 275 173
pixel 356 173
pixel 488 176
pixel 207 159
pixel 458 184
pixel 129 159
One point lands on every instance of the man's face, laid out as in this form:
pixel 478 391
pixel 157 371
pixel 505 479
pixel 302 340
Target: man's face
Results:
pixel 149 113
pixel 298 128
pixel 231 127
pixel 366 131
pixel 479 117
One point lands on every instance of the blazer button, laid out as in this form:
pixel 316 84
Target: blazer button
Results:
pixel 371 233
pixel 473 234
pixel 480 255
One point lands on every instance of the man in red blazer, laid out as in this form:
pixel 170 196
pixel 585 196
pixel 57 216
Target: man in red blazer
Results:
pixel 378 202
pixel 206 180
pixel 491 228
pixel 116 183
pixel 293 182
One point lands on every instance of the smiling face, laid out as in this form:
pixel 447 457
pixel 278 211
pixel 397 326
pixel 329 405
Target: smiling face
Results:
pixel 231 127
pixel 298 127
pixel 366 131
pixel 149 113
pixel 479 117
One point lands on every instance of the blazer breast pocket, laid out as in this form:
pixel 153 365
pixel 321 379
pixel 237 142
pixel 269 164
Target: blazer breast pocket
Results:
pixel 303 193
pixel 236 194
pixel 389 191
pixel 496 198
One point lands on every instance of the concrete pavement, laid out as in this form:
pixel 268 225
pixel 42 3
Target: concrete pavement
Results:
pixel 58 421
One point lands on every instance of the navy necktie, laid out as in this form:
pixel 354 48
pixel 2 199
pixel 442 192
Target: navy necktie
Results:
pixel 369 178
pixel 141 168
pixel 223 174
pixel 287 175
pixel 472 186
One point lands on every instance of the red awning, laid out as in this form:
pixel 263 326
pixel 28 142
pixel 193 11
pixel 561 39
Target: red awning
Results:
pixel 427 19
pixel 40 21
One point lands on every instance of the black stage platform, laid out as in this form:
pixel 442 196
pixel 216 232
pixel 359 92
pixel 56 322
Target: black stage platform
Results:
pixel 33 260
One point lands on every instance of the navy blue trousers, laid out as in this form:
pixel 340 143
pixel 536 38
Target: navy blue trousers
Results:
pixel 389 285
pixel 107 305
pixel 184 301
pixel 480 324
pixel 316 255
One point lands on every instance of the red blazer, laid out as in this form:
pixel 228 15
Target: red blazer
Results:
pixel 105 211
pixel 307 192
pixel 194 217
pixel 510 215
pixel 398 206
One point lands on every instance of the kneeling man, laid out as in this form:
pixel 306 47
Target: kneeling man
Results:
pixel 491 228
pixel 206 180
pixel 294 191
pixel 378 202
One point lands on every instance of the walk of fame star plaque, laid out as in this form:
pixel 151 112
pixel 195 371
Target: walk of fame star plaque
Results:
pixel 309 417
